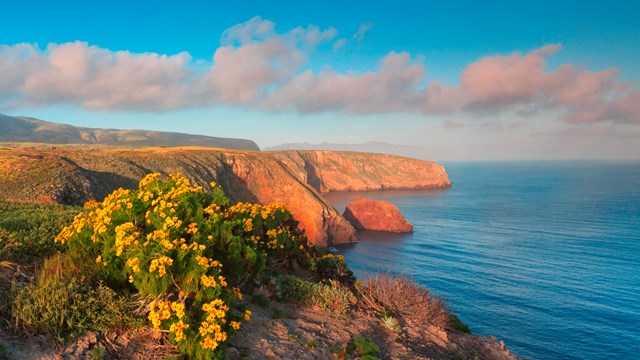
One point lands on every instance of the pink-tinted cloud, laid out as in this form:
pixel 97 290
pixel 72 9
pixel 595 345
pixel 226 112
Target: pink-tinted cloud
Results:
pixel 241 75
pixel 392 88
pixel 260 68
pixel 93 77
pixel 522 82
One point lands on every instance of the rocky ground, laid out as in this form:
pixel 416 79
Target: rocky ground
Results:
pixel 301 333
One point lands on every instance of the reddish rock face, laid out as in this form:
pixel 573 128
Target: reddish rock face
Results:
pixel 376 215
pixel 295 178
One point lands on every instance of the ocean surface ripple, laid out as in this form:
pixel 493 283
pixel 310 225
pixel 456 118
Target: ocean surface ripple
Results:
pixel 543 255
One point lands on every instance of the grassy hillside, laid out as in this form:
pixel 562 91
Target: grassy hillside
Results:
pixel 25 129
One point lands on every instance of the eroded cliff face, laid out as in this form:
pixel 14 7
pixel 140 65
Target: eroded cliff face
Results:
pixel 295 178
pixel 329 171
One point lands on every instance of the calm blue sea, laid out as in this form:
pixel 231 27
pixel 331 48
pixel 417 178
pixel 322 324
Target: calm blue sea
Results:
pixel 544 255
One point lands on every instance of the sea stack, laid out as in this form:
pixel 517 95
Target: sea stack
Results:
pixel 376 215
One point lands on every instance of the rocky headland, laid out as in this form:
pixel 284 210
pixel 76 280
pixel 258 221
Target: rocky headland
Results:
pixel 74 175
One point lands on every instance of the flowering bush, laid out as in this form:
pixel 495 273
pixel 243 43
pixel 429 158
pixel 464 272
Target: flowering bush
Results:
pixel 185 248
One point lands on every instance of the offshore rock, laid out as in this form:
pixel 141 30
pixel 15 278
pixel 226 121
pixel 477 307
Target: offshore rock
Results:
pixel 376 215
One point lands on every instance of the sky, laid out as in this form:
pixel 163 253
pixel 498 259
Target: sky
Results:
pixel 493 80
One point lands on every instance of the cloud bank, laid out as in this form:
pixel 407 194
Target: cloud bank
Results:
pixel 259 68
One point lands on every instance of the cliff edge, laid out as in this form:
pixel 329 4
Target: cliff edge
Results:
pixel 295 178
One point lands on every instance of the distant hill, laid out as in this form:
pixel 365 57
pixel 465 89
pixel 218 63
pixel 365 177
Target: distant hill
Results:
pixel 416 152
pixel 25 129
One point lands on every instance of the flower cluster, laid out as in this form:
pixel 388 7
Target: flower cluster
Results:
pixel 185 248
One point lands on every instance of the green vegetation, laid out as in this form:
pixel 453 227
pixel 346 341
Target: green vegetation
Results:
pixel 97 353
pixel 65 310
pixel 363 347
pixel 390 323
pixel 27 231
pixel 292 289
pixel 277 313
pixel 260 299
pixel 185 249
pixel 175 256
pixel 456 324
pixel 331 296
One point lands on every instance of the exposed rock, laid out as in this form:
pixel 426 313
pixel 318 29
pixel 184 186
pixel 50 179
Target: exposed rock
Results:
pixel 329 171
pixel 378 215
pixel 301 333
pixel 294 178
pixel 306 333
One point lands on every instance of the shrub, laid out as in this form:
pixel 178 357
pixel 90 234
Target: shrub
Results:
pixel 332 298
pixel 390 323
pixel 185 248
pixel 293 289
pixel 401 296
pixel 68 309
pixel 362 346
pixel 333 267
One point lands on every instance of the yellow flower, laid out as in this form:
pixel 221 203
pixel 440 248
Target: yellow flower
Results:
pixel 208 281
pixel 177 328
pixel 178 308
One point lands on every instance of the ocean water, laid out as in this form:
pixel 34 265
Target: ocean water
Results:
pixel 543 255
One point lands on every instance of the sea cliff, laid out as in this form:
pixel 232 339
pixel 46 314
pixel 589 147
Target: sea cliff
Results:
pixel 295 178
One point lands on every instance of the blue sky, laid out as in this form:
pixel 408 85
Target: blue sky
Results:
pixel 425 42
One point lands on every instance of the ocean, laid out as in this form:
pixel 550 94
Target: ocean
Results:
pixel 542 255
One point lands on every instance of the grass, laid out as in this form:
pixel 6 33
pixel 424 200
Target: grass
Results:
pixel 27 231
pixel 66 302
